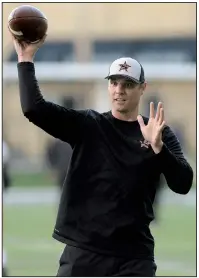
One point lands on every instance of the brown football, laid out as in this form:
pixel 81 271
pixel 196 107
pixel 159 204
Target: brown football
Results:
pixel 27 23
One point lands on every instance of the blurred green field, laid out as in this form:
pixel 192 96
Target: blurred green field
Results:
pixel 32 179
pixel 32 251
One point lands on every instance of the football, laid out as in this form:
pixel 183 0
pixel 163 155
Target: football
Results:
pixel 27 24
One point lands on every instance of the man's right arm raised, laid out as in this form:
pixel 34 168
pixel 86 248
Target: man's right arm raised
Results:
pixel 62 123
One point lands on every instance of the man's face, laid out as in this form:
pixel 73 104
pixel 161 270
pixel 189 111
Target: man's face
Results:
pixel 125 94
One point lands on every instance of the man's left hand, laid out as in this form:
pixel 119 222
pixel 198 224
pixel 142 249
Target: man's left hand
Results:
pixel 152 132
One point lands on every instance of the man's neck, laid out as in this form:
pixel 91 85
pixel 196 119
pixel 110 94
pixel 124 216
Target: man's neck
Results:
pixel 129 116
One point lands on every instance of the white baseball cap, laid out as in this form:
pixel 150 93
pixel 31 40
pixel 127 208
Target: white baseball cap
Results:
pixel 127 67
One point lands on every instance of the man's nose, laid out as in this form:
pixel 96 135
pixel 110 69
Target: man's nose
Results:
pixel 119 89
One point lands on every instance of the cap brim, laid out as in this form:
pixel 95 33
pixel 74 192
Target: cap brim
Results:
pixel 123 75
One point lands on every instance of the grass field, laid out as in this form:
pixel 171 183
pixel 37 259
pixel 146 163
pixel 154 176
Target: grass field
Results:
pixel 32 179
pixel 27 230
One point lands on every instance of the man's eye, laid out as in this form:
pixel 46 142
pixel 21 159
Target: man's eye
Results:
pixel 114 83
pixel 130 85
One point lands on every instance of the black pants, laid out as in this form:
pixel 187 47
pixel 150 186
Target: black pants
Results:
pixel 76 262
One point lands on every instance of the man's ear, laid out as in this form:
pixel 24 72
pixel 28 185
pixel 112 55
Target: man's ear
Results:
pixel 143 87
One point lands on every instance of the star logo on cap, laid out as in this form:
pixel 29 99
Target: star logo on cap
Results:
pixel 124 66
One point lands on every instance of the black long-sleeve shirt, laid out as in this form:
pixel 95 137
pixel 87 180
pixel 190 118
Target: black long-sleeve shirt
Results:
pixel 106 203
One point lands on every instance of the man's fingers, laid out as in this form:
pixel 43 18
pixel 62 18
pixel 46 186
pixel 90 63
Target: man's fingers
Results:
pixel 152 110
pixel 14 40
pixel 161 117
pixel 41 41
pixel 162 126
pixel 140 121
pixel 158 111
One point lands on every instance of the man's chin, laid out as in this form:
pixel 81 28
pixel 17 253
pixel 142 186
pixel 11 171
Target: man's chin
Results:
pixel 122 110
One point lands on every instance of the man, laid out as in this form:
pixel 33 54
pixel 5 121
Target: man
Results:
pixel 118 156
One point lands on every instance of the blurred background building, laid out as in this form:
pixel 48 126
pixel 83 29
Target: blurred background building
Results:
pixel 83 39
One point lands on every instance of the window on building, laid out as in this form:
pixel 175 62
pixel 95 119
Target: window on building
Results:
pixel 54 51
pixel 146 50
